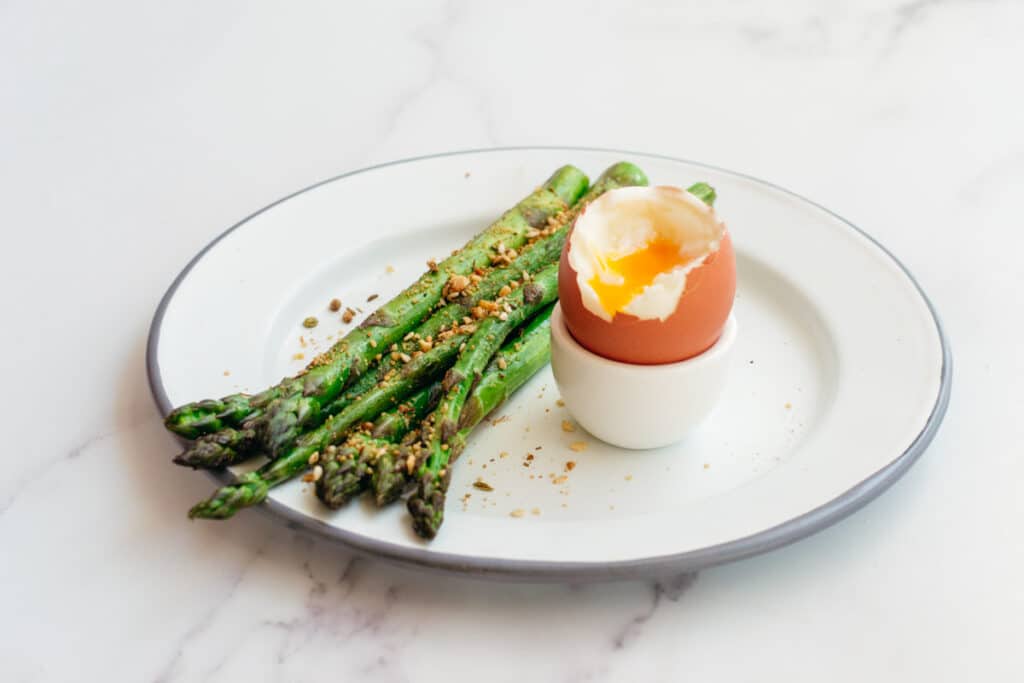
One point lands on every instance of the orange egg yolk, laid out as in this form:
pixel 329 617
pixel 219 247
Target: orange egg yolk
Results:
pixel 637 271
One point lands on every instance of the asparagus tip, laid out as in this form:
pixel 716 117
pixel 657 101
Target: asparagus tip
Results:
pixel 230 499
pixel 183 460
pixel 427 505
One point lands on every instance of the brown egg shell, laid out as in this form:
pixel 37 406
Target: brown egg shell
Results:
pixel 695 326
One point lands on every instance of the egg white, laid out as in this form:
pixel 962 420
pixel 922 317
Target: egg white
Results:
pixel 621 222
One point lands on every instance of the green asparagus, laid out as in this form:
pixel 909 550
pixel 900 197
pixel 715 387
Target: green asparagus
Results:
pixel 299 406
pixel 703 192
pixel 252 488
pixel 427 504
pixel 300 398
pixel 230 445
pixel 543 247
pixel 346 469
pixel 516 362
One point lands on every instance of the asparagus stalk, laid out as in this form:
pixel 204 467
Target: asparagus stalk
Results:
pixel 375 456
pixel 347 468
pixel 300 404
pixel 514 364
pixel 231 446
pixel 427 504
pixel 299 399
pixel 251 488
pixel 544 245
pixel 703 192
pixel 227 447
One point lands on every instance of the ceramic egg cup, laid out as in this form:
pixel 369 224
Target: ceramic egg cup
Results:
pixel 638 406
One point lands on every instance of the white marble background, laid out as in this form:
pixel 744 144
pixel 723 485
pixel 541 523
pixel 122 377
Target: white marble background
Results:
pixel 133 132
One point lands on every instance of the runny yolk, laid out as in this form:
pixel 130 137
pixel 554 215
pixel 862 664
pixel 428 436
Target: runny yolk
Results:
pixel 637 271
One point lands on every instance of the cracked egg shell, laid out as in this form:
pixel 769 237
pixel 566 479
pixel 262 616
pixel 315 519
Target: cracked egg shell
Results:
pixel 647 276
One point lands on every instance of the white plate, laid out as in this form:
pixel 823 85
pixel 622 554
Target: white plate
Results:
pixel 841 380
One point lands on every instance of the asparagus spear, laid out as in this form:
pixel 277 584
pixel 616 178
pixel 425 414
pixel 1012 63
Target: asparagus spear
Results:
pixel 544 248
pixel 300 404
pixel 227 447
pixel 427 504
pixel 231 446
pixel 376 456
pixel 514 364
pixel 347 468
pixel 703 192
pixel 252 487
pixel 302 397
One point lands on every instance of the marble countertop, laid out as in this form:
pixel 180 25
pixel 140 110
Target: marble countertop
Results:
pixel 133 132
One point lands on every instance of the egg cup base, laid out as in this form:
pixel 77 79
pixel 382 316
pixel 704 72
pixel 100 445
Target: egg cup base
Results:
pixel 638 406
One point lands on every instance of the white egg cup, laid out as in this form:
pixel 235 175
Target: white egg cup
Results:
pixel 638 406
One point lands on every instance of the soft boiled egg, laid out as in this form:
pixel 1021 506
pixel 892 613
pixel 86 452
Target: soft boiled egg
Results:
pixel 647 276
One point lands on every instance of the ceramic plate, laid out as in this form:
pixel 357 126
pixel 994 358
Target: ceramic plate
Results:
pixel 840 380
